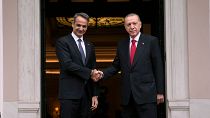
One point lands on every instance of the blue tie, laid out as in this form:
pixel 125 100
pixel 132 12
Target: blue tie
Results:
pixel 81 50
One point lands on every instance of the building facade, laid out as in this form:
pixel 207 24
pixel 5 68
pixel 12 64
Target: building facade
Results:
pixel 187 48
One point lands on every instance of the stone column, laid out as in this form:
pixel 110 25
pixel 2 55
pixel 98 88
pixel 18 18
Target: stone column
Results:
pixel 29 58
pixel 177 88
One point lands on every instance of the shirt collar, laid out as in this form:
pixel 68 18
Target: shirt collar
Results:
pixel 136 38
pixel 75 37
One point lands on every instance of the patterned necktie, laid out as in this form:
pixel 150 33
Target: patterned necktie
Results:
pixel 133 50
pixel 81 50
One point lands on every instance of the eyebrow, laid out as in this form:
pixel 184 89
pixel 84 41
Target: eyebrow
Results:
pixel 81 25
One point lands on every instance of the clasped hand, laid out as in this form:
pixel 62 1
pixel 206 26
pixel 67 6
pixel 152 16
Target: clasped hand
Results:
pixel 96 75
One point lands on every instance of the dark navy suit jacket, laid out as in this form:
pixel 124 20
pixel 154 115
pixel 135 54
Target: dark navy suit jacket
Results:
pixel 74 75
pixel 145 77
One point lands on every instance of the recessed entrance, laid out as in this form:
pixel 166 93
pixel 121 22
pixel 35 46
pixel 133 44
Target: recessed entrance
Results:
pixel 105 39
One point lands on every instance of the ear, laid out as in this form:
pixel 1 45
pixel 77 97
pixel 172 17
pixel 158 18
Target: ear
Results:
pixel 140 24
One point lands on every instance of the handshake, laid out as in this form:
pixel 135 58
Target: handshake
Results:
pixel 96 75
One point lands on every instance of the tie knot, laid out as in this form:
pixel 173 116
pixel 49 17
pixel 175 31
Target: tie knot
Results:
pixel 133 41
pixel 79 40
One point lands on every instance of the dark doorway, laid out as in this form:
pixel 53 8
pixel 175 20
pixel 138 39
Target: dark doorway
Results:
pixel 55 18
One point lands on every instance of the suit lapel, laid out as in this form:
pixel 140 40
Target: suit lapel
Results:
pixel 74 46
pixel 139 49
pixel 88 50
pixel 126 51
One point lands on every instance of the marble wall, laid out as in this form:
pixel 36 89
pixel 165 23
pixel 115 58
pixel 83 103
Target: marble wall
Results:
pixel 1 57
pixel 198 22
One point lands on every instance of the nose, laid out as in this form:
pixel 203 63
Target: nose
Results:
pixel 80 28
pixel 132 26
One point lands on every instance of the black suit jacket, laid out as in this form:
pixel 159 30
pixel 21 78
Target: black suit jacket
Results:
pixel 74 75
pixel 144 78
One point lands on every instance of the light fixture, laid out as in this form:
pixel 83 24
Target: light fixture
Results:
pixel 56 109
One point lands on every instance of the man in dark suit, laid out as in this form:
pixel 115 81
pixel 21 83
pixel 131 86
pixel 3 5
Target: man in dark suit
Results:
pixel 139 59
pixel 76 56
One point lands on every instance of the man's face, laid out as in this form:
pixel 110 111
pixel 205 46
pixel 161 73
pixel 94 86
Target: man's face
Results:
pixel 80 26
pixel 132 25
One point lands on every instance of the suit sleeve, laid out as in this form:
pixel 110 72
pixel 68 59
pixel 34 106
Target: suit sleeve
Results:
pixel 65 59
pixel 157 66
